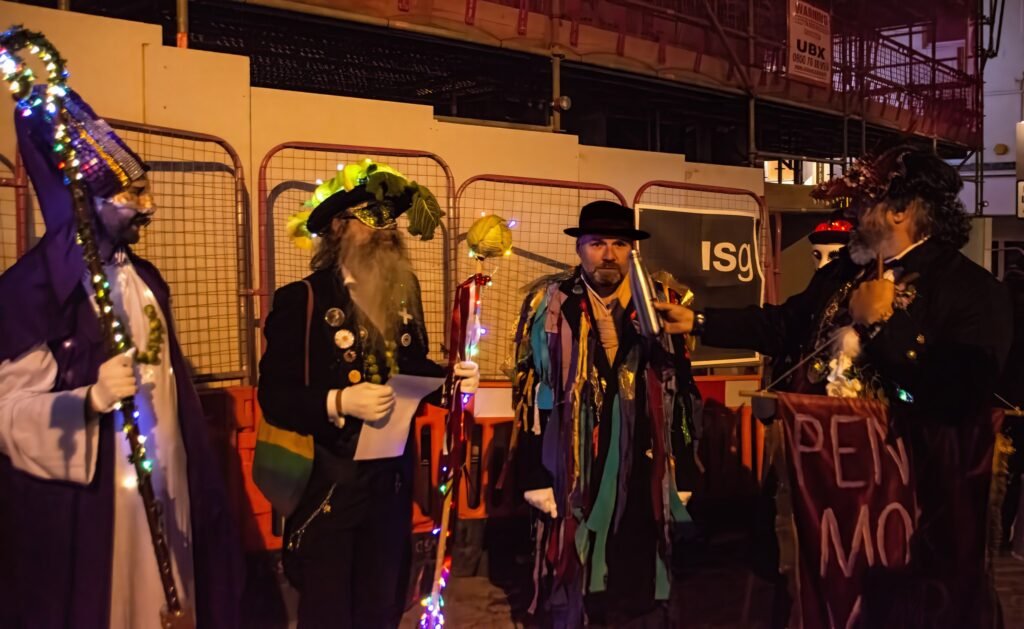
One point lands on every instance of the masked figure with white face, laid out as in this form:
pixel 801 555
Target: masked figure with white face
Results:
pixel 827 239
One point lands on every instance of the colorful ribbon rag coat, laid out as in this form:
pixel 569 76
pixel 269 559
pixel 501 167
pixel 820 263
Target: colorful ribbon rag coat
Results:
pixel 602 435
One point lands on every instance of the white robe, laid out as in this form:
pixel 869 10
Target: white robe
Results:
pixel 46 434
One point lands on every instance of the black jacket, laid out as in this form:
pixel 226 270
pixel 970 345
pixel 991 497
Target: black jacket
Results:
pixel 286 401
pixel 947 349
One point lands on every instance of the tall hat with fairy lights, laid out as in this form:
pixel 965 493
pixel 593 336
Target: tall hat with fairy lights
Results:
pixel 73 156
pixel 103 162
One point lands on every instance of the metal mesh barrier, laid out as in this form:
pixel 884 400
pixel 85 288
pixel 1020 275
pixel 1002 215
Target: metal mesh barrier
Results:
pixel 540 209
pixel 288 177
pixel 10 220
pixel 199 239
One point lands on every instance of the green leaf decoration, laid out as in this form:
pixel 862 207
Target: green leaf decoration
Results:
pixel 296 230
pixel 325 190
pixel 383 183
pixel 425 213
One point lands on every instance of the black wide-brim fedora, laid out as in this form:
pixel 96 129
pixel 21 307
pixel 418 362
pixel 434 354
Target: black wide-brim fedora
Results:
pixel 320 218
pixel 606 218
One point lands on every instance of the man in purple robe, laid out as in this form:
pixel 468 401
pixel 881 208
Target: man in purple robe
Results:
pixel 75 549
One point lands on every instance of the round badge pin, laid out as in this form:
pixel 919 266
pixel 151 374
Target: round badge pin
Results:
pixel 406 340
pixel 350 356
pixel 334 317
pixel 354 376
pixel 344 339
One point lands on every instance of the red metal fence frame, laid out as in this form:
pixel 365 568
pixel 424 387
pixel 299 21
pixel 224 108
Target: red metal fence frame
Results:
pixel 266 289
pixel 19 182
pixel 534 181
pixel 489 371
pixel 242 208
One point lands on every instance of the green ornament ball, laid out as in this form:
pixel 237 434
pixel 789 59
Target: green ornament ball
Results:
pixel 489 237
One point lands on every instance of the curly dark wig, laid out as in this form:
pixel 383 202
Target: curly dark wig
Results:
pixel 920 174
pixel 899 176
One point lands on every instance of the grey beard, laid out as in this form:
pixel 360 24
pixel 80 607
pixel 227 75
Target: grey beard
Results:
pixel 606 277
pixel 860 252
pixel 383 274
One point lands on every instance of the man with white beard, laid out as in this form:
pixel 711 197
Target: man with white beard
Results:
pixel 332 342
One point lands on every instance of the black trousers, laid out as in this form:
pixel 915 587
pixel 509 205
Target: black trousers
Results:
pixel 351 566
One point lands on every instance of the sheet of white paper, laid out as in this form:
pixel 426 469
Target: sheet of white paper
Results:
pixel 386 439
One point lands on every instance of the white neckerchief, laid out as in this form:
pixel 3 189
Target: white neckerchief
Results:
pixel 906 251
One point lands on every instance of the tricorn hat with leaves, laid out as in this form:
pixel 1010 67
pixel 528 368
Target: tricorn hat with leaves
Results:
pixel 373 193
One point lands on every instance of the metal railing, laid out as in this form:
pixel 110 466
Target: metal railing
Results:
pixel 287 179
pixel 199 240
pixel 540 209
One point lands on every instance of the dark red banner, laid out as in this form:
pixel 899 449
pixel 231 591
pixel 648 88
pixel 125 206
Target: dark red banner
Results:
pixel 853 502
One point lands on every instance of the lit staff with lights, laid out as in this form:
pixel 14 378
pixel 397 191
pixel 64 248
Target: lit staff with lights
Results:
pixel 333 341
pixel 905 318
pixel 600 409
pixel 99 530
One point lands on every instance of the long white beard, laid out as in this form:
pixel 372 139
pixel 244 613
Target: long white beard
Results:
pixel 383 274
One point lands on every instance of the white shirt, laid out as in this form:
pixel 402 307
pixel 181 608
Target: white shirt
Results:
pixel 46 434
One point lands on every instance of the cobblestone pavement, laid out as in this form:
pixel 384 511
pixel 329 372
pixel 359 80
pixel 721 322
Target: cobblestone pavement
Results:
pixel 1010 586
pixel 721 598
pixel 717 594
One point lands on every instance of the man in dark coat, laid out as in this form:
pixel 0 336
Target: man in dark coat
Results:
pixel 599 409
pixel 75 545
pixel 930 337
pixel 347 544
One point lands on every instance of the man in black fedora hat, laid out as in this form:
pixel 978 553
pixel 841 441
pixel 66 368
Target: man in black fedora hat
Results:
pixel 598 409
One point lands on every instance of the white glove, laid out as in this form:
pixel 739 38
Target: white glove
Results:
pixel 115 381
pixel 469 373
pixel 367 401
pixel 543 500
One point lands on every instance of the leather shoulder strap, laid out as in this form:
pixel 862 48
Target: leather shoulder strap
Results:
pixel 309 322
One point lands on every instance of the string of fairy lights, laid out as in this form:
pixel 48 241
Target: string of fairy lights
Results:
pixel 20 79
pixel 489 236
